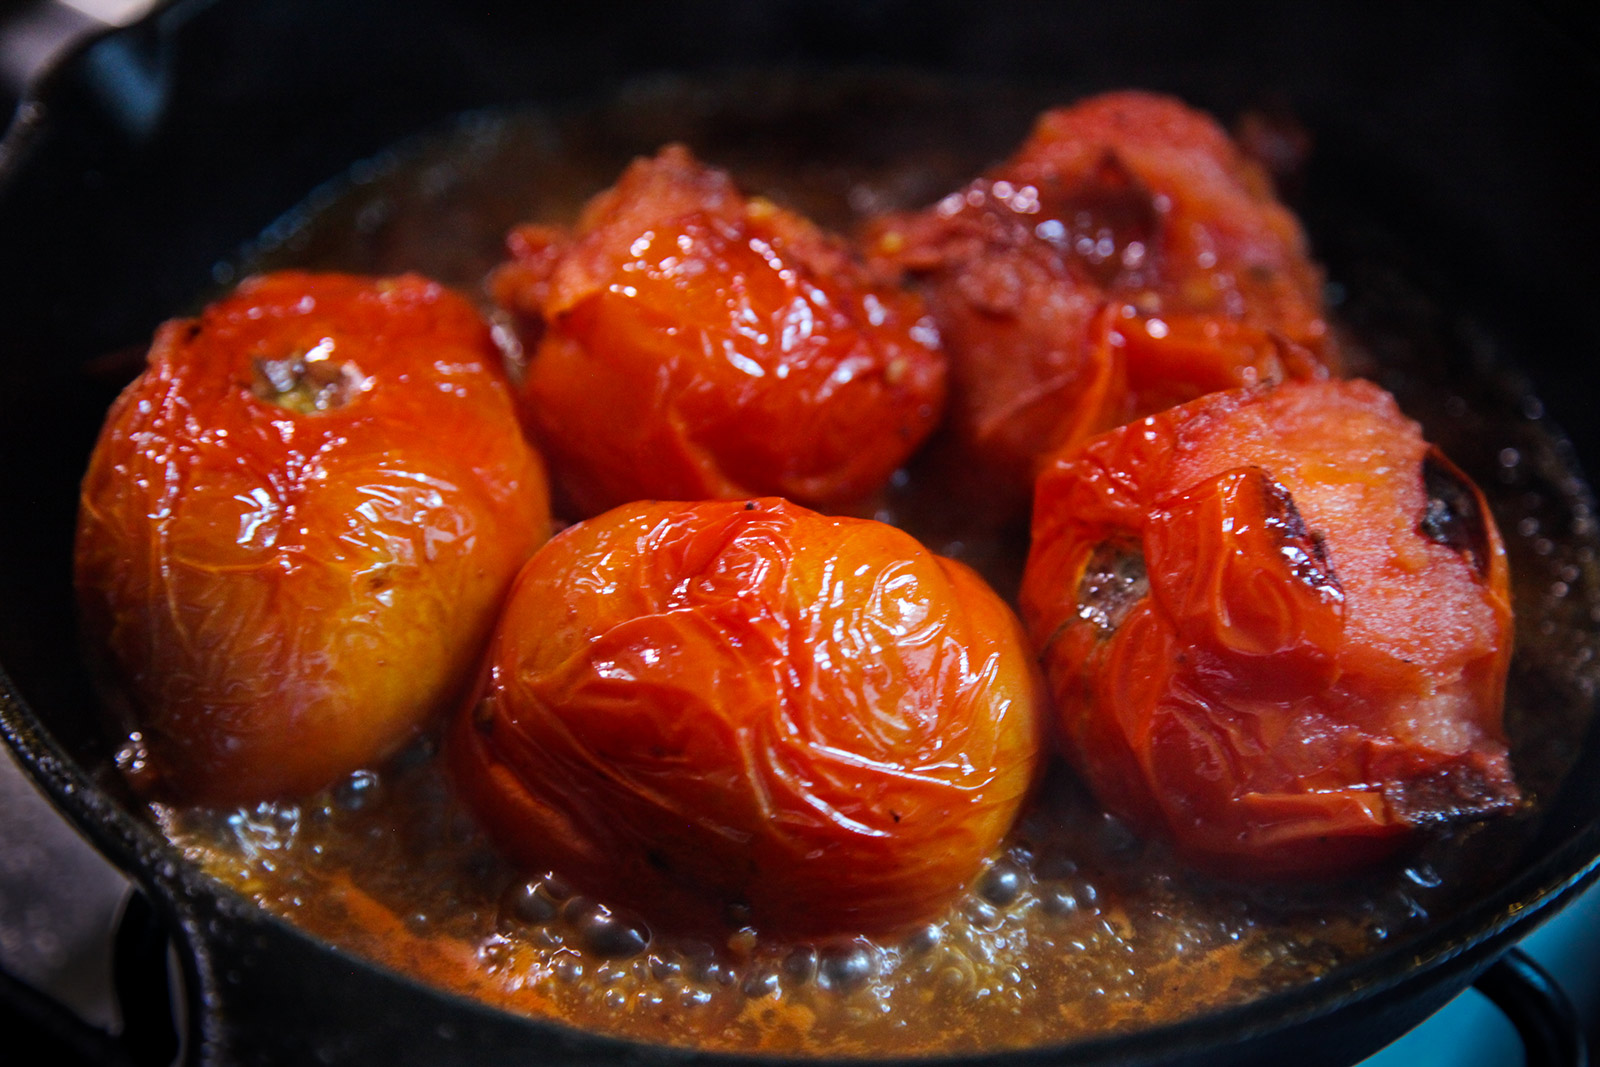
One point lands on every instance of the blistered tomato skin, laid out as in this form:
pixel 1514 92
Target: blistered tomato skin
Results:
pixel 744 711
pixel 687 343
pixel 1277 625
pixel 1128 257
pixel 296 528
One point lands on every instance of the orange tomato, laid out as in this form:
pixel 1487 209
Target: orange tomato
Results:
pixel 1277 627
pixel 688 343
pixel 747 708
pixel 1128 257
pixel 297 526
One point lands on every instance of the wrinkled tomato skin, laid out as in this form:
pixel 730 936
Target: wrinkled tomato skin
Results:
pixel 1276 626
pixel 687 343
pixel 1128 257
pixel 296 528
pixel 747 709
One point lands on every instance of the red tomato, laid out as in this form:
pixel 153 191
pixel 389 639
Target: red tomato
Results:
pixel 1128 257
pixel 297 526
pixel 1277 626
pixel 812 721
pixel 690 344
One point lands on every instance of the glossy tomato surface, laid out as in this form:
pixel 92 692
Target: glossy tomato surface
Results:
pixel 297 526
pixel 687 343
pixel 745 711
pixel 1126 258
pixel 1277 626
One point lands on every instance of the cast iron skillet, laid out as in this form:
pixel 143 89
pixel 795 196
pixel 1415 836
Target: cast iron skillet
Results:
pixel 159 150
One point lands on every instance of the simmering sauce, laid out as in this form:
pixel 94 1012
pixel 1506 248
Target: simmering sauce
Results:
pixel 1075 927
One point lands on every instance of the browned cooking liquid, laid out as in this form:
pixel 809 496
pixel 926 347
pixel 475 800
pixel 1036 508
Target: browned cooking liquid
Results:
pixel 1076 928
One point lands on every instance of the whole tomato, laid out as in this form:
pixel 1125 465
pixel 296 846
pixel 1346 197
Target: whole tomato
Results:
pixel 1277 624
pixel 746 708
pixel 1126 258
pixel 297 526
pixel 689 344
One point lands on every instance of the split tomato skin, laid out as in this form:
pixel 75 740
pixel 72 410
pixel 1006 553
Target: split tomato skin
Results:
pixel 746 709
pixel 1126 258
pixel 1276 624
pixel 296 527
pixel 688 343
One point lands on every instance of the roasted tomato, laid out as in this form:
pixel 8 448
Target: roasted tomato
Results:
pixel 1127 258
pixel 297 526
pixel 747 709
pixel 1276 624
pixel 690 344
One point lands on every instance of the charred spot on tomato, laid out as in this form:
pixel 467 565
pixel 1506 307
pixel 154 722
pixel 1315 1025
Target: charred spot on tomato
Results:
pixel 306 383
pixel 483 715
pixel 1454 514
pixel 1114 580
pixel 1105 227
pixel 380 579
pixel 1457 791
pixel 1305 550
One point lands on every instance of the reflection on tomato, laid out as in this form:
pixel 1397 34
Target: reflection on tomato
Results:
pixel 1277 626
pixel 297 526
pixel 747 710
pixel 689 344
pixel 1127 258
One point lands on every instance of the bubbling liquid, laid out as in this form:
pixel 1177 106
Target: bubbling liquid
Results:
pixel 1076 927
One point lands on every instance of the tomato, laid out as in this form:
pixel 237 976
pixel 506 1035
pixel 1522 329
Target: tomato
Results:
pixel 297 526
pixel 746 709
pixel 1277 625
pixel 1126 258
pixel 688 343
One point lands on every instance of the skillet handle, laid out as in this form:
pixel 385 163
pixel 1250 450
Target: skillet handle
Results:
pixel 1535 1004
pixel 142 980
pixel 148 1037
pixel 30 1019
pixel 35 35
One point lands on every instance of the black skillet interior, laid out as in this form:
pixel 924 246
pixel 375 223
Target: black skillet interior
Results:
pixel 161 150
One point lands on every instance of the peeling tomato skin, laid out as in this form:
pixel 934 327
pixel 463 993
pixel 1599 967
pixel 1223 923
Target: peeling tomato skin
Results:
pixel 692 707
pixel 296 526
pixel 689 343
pixel 1126 258
pixel 1312 671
